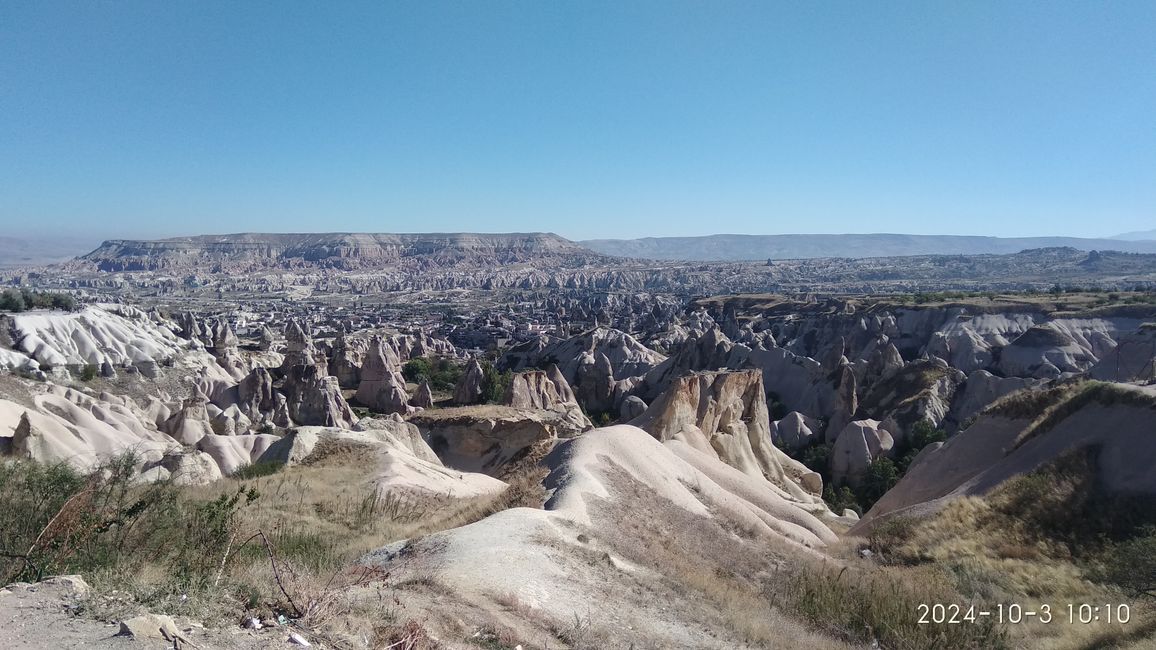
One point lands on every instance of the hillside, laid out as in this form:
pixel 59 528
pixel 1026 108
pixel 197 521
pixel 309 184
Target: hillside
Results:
pixel 336 250
pixel 802 246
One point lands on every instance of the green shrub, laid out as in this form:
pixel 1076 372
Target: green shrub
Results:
pixel 56 520
pixel 417 370
pixel 841 498
pixel 1132 564
pixel 257 470
pixel 17 301
pixel 11 300
pixel 494 383
pixel 441 373
pixel 922 433
pixel 88 373
pixel 882 475
pixel 817 458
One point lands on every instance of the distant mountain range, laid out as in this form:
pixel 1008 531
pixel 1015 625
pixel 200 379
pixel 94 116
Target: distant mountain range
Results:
pixel 762 247
pixel 363 250
pixel 1138 235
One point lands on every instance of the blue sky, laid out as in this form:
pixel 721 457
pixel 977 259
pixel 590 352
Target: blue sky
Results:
pixel 589 119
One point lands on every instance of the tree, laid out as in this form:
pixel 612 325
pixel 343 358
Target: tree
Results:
pixel 417 370
pixel 494 384
pixel 922 433
pixel 12 300
pixel 882 475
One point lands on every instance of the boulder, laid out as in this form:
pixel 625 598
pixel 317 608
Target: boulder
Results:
pixel 856 446
pixel 152 626
pixel 632 407
pixel 796 431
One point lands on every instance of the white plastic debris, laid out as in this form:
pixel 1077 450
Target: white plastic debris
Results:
pixel 298 639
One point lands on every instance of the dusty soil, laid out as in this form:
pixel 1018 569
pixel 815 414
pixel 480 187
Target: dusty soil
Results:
pixel 48 616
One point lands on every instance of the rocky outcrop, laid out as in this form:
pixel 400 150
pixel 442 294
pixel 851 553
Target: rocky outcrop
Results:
pixel 561 386
pixel 1109 430
pixel 626 355
pixel 795 431
pixel 299 349
pixel 191 422
pixel 265 339
pixel 486 438
pixel 981 389
pixel 382 387
pixel 724 414
pixel 922 391
pixel 856 446
pixel 347 358
pixel 1046 352
pixel 423 396
pixel 119 336
pixel 595 387
pixel 632 407
pixel 231 453
pixel 314 399
pixel 535 389
pixel 256 397
pixel 469 387
pixel 846 400
pixel 1133 359
pixel 224 349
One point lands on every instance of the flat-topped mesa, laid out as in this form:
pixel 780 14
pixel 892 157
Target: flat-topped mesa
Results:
pixel 330 250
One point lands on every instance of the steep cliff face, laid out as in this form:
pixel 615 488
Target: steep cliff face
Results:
pixel 329 250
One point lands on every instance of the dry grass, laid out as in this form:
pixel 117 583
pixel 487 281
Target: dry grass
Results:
pixel 769 593
pixel 1059 403
pixel 319 518
pixel 1031 542
pixel 872 605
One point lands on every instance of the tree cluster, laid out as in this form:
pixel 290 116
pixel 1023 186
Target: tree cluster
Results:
pixel 13 300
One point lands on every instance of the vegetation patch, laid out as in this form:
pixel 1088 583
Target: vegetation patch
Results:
pixel 874 606
pixel 441 373
pixel 882 474
pixel 1076 396
pixel 13 300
